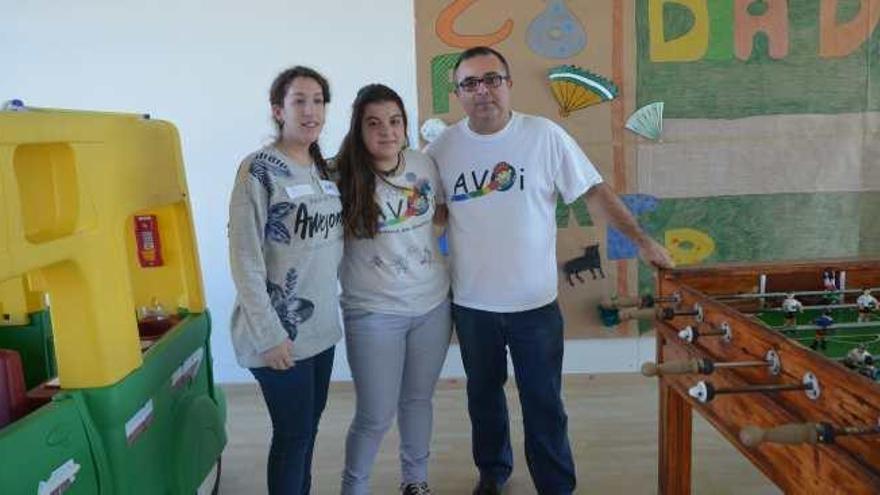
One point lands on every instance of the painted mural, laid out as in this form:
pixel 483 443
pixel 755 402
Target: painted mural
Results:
pixel 737 129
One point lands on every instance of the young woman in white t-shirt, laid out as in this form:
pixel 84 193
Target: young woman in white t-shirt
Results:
pixel 395 289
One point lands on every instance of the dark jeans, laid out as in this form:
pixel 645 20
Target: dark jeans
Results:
pixel 536 345
pixel 296 398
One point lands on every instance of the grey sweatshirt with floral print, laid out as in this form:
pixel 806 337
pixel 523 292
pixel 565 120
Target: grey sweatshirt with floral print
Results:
pixel 285 245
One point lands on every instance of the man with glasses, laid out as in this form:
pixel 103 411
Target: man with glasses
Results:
pixel 501 171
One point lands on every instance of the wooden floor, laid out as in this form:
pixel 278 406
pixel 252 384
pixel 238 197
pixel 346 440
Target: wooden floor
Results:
pixel 612 427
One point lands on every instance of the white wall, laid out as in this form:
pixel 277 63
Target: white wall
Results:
pixel 206 67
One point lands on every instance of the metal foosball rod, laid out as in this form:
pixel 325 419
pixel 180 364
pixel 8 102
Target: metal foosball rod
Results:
pixel 798 433
pixel 704 391
pixel 707 366
pixel 818 306
pixel 672 313
pixel 835 326
pixel 758 295
pixel 691 334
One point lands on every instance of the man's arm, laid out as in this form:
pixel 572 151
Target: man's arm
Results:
pixel 602 202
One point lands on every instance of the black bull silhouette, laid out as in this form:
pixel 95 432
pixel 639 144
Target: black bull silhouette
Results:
pixel 589 261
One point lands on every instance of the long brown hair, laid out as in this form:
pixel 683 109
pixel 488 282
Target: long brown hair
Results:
pixel 357 181
pixel 278 91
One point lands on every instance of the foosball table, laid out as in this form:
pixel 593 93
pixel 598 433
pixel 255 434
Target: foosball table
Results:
pixel 779 358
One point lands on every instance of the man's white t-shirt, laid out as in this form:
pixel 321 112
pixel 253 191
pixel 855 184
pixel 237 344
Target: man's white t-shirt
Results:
pixel 401 270
pixel 501 193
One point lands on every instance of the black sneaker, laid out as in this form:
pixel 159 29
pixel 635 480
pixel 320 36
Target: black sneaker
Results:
pixel 415 489
pixel 487 487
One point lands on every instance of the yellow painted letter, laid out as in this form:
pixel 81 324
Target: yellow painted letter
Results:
pixel 687 47
pixel 688 246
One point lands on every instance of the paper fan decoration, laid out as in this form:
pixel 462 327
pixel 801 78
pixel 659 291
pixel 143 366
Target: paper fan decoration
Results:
pixel 647 121
pixel 432 128
pixel 576 88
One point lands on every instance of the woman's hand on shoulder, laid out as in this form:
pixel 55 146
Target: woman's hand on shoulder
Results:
pixel 280 357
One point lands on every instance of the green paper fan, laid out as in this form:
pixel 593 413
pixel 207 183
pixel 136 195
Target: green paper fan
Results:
pixel 647 121
pixel 575 88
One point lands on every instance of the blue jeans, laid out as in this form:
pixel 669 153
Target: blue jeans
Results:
pixel 296 398
pixel 536 344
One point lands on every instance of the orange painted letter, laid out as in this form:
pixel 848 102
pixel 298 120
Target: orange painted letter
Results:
pixel 839 40
pixel 774 22
pixel 446 31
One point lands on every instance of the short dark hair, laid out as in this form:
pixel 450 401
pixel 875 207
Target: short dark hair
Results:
pixel 479 51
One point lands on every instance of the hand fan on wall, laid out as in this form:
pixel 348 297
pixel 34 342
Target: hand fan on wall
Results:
pixel 432 128
pixel 576 88
pixel 647 121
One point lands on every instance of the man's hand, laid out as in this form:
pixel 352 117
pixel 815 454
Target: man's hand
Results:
pixel 603 202
pixel 280 357
pixel 654 254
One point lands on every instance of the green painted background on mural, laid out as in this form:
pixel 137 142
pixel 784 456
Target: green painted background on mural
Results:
pixel 772 227
pixel 722 86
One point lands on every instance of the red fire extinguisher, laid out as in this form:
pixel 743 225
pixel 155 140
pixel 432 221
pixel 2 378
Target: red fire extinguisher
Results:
pixel 146 231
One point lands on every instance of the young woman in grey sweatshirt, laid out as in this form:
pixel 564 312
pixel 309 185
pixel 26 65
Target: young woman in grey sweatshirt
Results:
pixel 285 243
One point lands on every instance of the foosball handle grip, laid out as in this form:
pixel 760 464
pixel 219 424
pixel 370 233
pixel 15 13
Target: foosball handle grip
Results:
pixel 681 367
pixel 620 302
pixel 793 433
pixel 638 314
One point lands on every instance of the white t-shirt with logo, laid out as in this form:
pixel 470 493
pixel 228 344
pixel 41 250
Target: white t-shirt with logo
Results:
pixel 501 193
pixel 401 270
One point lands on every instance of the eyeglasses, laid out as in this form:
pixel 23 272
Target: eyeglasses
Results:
pixel 471 84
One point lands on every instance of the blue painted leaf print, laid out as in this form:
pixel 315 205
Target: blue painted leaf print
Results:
pixel 263 167
pixel 275 228
pixel 290 282
pixel 292 310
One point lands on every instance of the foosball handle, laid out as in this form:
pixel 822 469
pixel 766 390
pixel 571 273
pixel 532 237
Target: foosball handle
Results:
pixel 681 367
pixel 620 302
pixel 638 314
pixel 793 433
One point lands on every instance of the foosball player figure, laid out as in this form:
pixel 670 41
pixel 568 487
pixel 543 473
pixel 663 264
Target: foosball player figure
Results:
pixel 858 356
pixel 859 359
pixel 867 304
pixel 829 283
pixel 791 307
pixel 824 323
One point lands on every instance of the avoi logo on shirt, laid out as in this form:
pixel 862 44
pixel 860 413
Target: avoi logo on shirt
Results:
pixel 405 203
pixel 503 178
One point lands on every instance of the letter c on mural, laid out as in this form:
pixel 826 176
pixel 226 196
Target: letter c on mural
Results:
pixel 446 30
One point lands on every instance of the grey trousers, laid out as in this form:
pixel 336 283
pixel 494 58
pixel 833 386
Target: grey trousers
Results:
pixel 395 362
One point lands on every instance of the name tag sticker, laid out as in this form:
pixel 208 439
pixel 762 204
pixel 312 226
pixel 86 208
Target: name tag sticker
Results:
pixel 294 192
pixel 329 187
